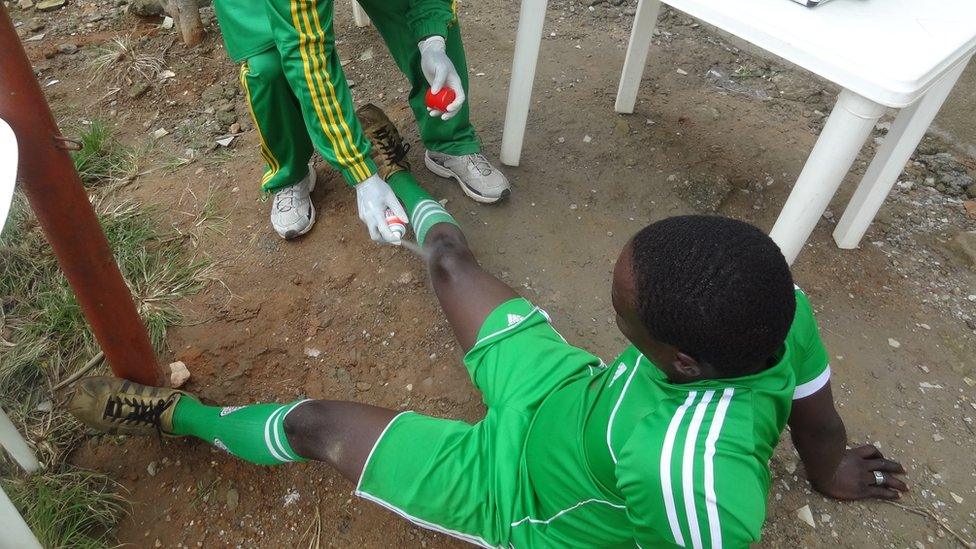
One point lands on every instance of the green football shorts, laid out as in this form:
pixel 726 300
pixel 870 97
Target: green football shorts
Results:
pixel 461 479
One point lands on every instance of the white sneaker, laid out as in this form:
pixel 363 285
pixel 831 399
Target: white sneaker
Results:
pixel 292 213
pixel 481 181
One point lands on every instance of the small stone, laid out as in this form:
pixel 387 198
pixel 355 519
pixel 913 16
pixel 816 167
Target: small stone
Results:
pixel 235 128
pixel 146 8
pixel 225 141
pixel 167 74
pixel 167 23
pixel 362 386
pixel 25 4
pixel 233 499
pixel 312 352
pixel 366 55
pixel 160 133
pixel 969 381
pixel 226 118
pixel 158 543
pixel 894 343
pixel 138 89
pixel 409 387
pixel 682 72
pixel 971 191
pixel 67 49
pixel 956 497
pixel 561 140
pixel 587 139
pixel 937 437
pixel 965 244
pixel 50 5
pixel 804 514
pixel 919 545
pixel 44 406
pixel 405 278
pixel 212 94
pixel 178 374
pixel 151 469
pixel 36 25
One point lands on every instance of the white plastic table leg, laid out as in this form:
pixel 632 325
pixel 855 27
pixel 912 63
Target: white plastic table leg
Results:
pixel 902 139
pixel 15 531
pixel 358 15
pixel 640 42
pixel 528 38
pixel 16 446
pixel 849 125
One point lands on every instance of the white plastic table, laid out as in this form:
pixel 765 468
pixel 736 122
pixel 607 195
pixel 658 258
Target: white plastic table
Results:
pixel 905 54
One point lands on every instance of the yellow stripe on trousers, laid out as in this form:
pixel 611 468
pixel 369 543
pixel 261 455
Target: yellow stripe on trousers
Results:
pixel 312 62
pixel 266 154
pixel 331 94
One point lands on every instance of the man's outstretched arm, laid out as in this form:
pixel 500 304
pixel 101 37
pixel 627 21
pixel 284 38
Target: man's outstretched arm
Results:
pixel 834 470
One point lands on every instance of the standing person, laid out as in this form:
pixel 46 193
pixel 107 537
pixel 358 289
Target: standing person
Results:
pixel 298 97
pixel 669 446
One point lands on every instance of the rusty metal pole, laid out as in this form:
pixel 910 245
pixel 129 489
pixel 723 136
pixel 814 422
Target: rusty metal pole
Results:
pixel 59 201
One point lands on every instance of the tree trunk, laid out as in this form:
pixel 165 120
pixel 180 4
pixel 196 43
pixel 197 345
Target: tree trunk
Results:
pixel 186 14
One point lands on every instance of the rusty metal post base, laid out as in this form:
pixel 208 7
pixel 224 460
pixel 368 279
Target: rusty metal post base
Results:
pixel 54 190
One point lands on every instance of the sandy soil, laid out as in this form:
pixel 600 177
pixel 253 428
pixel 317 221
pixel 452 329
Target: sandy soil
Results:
pixel 380 338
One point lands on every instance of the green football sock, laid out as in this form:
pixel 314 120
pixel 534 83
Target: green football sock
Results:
pixel 254 433
pixel 423 210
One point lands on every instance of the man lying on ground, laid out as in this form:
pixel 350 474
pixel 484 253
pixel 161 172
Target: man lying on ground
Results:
pixel 667 446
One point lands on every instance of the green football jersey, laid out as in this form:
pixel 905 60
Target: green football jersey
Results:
pixel 658 463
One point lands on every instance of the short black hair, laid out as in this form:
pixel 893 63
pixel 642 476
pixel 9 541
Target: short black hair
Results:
pixel 718 289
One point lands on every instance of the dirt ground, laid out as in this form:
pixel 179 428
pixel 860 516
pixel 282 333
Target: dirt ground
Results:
pixel 335 316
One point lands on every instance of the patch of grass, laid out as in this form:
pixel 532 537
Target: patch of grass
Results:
pixel 73 508
pixel 103 159
pixel 122 61
pixel 44 338
pixel 42 322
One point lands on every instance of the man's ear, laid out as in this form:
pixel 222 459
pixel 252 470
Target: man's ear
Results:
pixel 686 365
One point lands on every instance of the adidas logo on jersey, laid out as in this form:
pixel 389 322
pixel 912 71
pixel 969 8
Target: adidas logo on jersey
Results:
pixel 621 368
pixel 514 319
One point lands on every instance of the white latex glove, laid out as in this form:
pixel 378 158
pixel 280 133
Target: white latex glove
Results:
pixel 440 71
pixel 373 197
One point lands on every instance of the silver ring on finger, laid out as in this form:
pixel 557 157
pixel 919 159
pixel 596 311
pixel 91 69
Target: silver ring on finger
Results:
pixel 879 478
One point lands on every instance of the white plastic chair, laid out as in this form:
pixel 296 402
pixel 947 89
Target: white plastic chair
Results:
pixel 904 54
pixel 13 529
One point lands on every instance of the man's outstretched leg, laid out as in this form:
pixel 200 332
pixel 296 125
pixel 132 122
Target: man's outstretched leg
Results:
pixel 339 433
pixel 467 292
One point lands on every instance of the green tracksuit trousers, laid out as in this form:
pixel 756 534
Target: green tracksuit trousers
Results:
pixel 298 95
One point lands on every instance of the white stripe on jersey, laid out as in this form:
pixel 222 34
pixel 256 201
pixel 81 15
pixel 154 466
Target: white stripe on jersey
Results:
pixel 688 468
pixel 806 389
pixel 666 451
pixel 620 399
pixel 711 502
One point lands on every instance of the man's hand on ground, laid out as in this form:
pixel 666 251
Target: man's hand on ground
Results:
pixel 855 476
pixel 440 71
pixel 374 197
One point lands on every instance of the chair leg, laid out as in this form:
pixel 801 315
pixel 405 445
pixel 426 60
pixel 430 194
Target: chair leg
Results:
pixel 528 38
pixel 358 15
pixel 906 132
pixel 640 42
pixel 850 123
pixel 16 533
pixel 16 446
